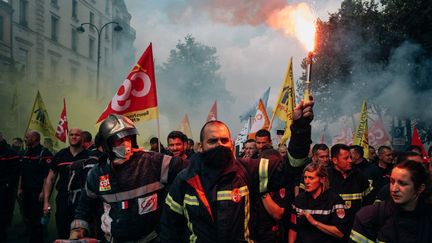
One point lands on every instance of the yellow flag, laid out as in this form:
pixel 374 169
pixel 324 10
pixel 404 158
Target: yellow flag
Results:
pixel 361 133
pixel 285 103
pixel 39 121
pixel 185 126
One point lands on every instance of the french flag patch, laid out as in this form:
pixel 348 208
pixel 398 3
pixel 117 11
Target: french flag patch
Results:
pixel 124 204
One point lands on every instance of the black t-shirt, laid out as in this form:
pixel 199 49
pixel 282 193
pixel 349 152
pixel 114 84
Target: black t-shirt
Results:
pixel 34 167
pixel 327 208
pixel 68 179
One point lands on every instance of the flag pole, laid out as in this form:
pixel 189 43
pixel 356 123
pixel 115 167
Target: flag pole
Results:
pixel 271 122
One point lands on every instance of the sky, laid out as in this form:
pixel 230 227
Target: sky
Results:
pixel 252 55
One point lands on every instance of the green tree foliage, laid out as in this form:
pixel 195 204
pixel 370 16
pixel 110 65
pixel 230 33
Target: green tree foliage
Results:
pixel 191 77
pixel 367 47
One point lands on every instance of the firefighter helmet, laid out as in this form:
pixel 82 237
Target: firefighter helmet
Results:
pixel 116 127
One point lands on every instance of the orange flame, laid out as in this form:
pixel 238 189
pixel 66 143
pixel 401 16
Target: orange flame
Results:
pixel 298 21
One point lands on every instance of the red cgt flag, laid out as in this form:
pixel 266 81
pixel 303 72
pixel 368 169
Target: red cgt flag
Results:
pixel 62 126
pixel 212 115
pixel 415 140
pixel 136 98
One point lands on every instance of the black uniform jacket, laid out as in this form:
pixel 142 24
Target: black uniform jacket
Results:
pixel 220 212
pixel 387 222
pixel 132 194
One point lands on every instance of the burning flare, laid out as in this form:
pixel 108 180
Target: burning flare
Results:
pixel 296 20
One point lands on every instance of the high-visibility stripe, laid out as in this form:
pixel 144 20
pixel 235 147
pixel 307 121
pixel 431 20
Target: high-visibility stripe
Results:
pixel 357 237
pixel 246 219
pixel 8 158
pixel 122 196
pixel 296 162
pixel 369 189
pixel 192 236
pixel 227 194
pixel 263 175
pixel 319 211
pixel 65 163
pixel 165 168
pixel 195 183
pixel 190 200
pixel 377 201
pixel 352 196
pixel 174 206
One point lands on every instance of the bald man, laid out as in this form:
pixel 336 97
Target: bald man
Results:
pixel 35 161
pixel 70 181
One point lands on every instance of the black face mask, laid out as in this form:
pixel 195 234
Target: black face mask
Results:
pixel 217 158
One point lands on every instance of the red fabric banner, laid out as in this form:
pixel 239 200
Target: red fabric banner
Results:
pixel 136 97
pixel 62 126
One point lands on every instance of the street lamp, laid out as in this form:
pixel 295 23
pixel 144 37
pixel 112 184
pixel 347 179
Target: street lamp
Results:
pixel 81 29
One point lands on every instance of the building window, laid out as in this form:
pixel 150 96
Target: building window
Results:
pixel 106 57
pixel 54 3
pixel 91 48
pixel 2 28
pixel 75 9
pixel 74 40
pixel 107 2
pixel 22 59
pixel 23 8
pixel 107 34
pixel 54 28
pixel 54 69
pixel 74 74
pixel 92 21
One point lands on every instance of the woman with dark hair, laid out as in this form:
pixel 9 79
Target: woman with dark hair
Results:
pixel 405 217
pixel 318 213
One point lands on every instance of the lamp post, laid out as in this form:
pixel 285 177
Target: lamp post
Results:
pixel 81 29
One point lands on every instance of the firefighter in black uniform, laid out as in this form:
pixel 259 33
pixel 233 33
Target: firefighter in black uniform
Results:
pixel 318 213
pixel 131 184
pixel 9 172
pixel 405 217
pixel 210 201
pixel 34 170
pixel 69 164
pixel 347 181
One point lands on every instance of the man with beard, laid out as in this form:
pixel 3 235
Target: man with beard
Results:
pixel 34 169
pixel 69 184
pixel 177 144
pixel 131 183
pixel 210 200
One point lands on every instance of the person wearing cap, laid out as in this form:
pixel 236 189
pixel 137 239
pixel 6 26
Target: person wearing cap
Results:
pixel 131 184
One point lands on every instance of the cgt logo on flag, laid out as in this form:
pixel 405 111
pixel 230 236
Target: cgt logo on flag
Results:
pixel 62 126
pixel 136 96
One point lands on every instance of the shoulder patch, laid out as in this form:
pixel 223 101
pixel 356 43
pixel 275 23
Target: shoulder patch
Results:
pixel 340 212
pixel 104 183
pixel 236 195
pixel 282 192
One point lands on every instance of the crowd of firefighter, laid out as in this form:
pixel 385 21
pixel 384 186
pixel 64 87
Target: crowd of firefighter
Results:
pixel 108 189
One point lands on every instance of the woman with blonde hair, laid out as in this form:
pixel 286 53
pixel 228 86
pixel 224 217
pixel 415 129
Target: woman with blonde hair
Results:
pixel 318 213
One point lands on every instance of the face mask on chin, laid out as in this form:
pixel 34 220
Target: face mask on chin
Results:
pixel 217 158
